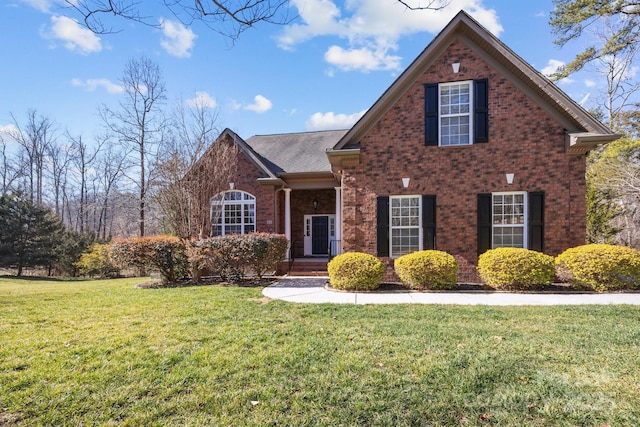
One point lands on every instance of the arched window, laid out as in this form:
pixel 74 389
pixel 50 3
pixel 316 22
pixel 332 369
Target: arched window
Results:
pixel 233 212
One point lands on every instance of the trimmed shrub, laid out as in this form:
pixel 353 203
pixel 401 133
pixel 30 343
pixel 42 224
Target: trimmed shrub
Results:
pixel 600 267
pixel 165 253
pixel 97 262
pixel 232 255
pixel 355 271
pixel 266 250
pixel 515 268
pixel 427 269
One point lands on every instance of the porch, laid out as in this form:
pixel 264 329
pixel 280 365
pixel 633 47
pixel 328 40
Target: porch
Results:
pixel 311 220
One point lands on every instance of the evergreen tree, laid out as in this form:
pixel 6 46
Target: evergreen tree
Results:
pixel 29 234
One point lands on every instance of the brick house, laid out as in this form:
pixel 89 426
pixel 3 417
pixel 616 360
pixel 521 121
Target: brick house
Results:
pixel 470 148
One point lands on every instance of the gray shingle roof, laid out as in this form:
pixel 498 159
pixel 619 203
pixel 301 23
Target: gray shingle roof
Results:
pixel 296 152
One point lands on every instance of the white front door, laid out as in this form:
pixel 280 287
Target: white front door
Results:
pixel 319 230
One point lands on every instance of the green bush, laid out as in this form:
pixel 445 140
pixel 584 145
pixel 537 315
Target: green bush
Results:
pixel 97 262
pixel 427 270
pixel 165 253
pixel 355 271
pixel 600 267
pixel 515 268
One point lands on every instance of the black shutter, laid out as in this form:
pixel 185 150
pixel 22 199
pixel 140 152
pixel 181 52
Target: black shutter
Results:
pixel 481 110
pixel 428 222
pixel 536 221
pixel 431 114
pixel 382 226
pixel 484 223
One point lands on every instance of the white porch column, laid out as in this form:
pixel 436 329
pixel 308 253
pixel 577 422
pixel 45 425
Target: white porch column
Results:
pixel 287 216
pixel 338 230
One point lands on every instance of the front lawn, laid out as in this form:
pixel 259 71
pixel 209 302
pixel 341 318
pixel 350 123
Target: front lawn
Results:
pixel 104 352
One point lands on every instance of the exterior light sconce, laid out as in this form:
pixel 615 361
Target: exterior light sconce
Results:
pixel 509 178
pixel 231 185
pixel 456 67
pixel 315 204
pixel 405 182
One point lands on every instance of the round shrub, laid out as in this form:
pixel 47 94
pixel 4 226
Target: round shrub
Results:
pixel 355 271
pixel 427 270
pixel 600 267
pixel 515 268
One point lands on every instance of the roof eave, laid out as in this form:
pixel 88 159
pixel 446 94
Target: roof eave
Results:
pixel 583 142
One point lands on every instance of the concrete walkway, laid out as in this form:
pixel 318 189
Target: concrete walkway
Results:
pixel 312 290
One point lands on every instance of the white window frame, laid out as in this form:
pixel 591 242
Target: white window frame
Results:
pixel 400 227
pixel 524 225
pixel 218 212
pixel 469 114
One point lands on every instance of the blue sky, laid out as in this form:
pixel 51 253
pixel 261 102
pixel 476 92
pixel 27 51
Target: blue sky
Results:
pixel 320 72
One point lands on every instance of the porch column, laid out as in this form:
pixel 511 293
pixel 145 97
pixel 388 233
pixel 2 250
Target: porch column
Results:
pixel 338 231
pixel 287 216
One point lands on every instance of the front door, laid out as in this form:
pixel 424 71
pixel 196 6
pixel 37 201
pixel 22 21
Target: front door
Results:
pixel 318 231
pixel 319 235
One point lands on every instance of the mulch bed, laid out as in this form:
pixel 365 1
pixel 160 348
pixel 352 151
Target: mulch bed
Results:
pixel 480 287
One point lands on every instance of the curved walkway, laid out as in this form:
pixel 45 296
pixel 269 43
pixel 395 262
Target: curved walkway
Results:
pixel 312 290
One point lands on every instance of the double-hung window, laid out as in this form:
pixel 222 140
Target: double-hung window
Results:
pixel 509 216
pixel 455 113
pixel 233 212
pixel 405 224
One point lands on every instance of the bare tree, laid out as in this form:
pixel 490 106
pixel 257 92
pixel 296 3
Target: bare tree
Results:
pixel 227 17
pixel 59 157
pixel 83 159
pixel 193 130
pixel 620 74
pixel 34 139
pixel 8 168
pixel 139 124
pixel 209 176
pixel 110 167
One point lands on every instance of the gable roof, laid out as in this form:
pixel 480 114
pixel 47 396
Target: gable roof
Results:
pixel 582 128
pixel 289 153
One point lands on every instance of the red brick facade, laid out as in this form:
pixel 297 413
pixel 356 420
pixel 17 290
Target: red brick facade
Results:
pixel 535 132
pixel 523 139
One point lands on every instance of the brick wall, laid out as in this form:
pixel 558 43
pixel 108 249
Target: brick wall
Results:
pixel 523 139
pixel 245 179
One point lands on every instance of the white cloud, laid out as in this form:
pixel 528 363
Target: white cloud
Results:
pixel 326 121
pixel 371 28
pixel 552 66
pixel 74 37
pixel 260 105
pixel 589 83
pixel 40 5
pixel 178 40
pixel 8 130
pixel 90 85
pixel 363 59
pixel 202 100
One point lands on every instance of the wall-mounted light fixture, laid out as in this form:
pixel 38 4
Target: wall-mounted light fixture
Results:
pixel 405 182
pixel 315 204
pixel 509 178
pixel 456 67
pixel 231 185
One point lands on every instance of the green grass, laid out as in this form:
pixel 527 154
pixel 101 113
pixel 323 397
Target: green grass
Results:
pixel 106 353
